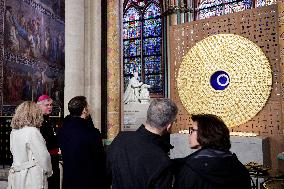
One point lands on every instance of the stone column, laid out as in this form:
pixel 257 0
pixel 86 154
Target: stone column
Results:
pixel 74 50
pixel 93 58
pixel 83 54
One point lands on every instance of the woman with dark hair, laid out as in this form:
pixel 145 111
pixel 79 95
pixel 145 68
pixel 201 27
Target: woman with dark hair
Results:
pixel 212 166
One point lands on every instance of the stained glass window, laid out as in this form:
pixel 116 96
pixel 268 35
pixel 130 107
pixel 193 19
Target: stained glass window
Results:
pixel 142 44
pixel 209 8
pixel 260 3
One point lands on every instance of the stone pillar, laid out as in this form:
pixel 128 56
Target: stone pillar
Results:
pixel 83 54
pixel 74 50
pixel 114 68
pixel 93 58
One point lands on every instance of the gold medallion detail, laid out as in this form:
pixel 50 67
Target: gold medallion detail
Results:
pixel 226 75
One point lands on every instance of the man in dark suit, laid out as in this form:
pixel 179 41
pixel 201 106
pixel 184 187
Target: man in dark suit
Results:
pixel 82 150
pixel 48 131
pixel 139 159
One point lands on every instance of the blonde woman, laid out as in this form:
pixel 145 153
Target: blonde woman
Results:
pixel 31 160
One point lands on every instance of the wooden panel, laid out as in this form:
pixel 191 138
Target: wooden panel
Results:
pixel 258 25
pixel 265 27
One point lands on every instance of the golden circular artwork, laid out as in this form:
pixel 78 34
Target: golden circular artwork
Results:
pixel 226 75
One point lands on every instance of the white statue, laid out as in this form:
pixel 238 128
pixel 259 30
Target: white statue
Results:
pixel 132 90
pixel 144 94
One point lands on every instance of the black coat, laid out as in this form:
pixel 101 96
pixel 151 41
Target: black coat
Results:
pixel 83 155
pixel 49 133
pixel 211 169
pixel 139 160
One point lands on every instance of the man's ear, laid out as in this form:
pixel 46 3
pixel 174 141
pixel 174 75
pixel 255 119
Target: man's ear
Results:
pixel 85 110
pixel 169 127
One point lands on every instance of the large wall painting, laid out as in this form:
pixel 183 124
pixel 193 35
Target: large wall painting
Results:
pixel 54 6
pixel 33 53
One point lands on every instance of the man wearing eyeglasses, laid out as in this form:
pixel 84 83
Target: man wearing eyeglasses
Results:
pixel 139 160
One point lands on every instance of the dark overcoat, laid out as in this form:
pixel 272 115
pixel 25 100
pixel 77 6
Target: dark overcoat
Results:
pixel 83 155
pixel 211 169
pixel 49 133
pixel 139 160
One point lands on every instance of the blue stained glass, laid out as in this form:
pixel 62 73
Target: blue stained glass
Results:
pixel 152 11
pixel 260 3
pixel 219 11
pixel 213 11
pixel 209 3
pixel 152 27
pixel 126 48
pixel 131 48
pixel 152 46
pixel 135 1
pixel 238 1
pixel 156 83
pixel 153 65
pixel 208 8
pixel 248 2
pixel 131 29
pixel 140 3
pixel 131 65
pixel 236 7
pixel 131 15
pixel 150 1
pixel 149 58
pixel 230 1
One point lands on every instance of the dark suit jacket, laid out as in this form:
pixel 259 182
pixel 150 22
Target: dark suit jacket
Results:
pixel 139 160
pixel 83 155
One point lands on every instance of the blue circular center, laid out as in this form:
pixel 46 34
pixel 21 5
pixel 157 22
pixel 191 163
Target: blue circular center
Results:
pixel 220 80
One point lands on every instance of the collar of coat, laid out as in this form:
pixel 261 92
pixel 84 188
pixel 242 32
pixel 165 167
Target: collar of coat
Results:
pixel 161 141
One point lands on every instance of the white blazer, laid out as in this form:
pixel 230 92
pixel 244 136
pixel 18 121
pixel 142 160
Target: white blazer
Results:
pixel 31 160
